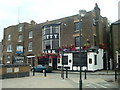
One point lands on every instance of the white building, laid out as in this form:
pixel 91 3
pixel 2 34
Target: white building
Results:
pixel 91 60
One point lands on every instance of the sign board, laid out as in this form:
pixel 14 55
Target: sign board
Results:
pixel 9 70
pixel 16 69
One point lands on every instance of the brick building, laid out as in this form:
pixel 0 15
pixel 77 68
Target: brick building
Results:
pixel 115 41
pixel 1 46
pixel 24 42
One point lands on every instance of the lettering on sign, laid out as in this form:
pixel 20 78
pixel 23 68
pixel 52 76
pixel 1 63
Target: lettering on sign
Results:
pixel 9 70
pixel 49 51
pixel 51 36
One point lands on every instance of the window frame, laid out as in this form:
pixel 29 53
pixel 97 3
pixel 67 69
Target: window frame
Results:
pixel 30 34
pixel 30 46
pixel 8 59
pixel 20 28
pixel 19 48
pixel 20 38
pixel 9 37
pixel 9 48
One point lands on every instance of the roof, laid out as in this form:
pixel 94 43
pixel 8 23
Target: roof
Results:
pixel 117 22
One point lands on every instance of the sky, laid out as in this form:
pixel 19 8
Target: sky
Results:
pixel 14 11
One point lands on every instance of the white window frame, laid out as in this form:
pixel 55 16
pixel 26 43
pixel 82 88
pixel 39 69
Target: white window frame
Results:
pixel 20 28
pixel 9 48
pixel 9 37
pixel 20 38
pixel 30 46
pixel 19 48
pixel 8 59
pixel 30 34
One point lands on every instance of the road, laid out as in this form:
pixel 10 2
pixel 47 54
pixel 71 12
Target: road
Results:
pixel 54 80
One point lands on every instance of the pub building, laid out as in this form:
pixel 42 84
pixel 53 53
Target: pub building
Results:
pixel 42 43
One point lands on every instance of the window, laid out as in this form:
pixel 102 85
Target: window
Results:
pixel 95 58
pixel 19 48
pixel 20 38
pixel 9 48
pixel 9 37
pixel 30 46
pixel 77 40
pixel 65 60
pixel 46 30
pixel 51 36
pixel 8 59
pixel 20 28
pixel 30 34
pixel 90 60
pixel 55 29
pixel 47 44
pixel 77 26
pixel 55 44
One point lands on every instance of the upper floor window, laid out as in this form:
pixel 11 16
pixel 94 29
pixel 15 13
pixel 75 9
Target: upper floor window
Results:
pixel 47 30
pixel 20 38
pixel 19 48
pixel 8 59
pixel 77 40
pixel 9 37
pixel 77 26
pixel 9 48
pixel 31 34
pixel 20 28
pixel 51 36
pixel 30 46
pixel 55 29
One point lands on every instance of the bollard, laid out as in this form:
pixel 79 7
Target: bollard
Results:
pixel 115 74
pixel 44 71
pixel 66 73
pixel 33 72
pixel 85 74
pixel 62 73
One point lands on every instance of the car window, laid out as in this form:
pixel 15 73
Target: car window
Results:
pixel 39 66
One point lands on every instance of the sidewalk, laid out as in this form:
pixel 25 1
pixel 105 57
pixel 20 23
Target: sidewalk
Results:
pixel 54 80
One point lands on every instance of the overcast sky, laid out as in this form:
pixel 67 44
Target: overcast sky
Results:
pixel 41 10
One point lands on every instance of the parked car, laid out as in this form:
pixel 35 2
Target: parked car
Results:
pixel 41 68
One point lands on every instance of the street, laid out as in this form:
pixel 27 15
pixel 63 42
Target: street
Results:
pixel 54 80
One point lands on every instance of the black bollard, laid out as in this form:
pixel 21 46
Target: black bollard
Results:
pixel 115 74
pixel 45 72
pixel 66 73
pixel 33 72
pixel 85 74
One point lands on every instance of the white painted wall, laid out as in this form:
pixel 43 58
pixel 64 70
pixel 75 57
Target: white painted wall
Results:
pixel 70 57
pixel 92 66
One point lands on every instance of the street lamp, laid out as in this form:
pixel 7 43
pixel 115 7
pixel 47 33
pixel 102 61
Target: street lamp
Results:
pixel 81 15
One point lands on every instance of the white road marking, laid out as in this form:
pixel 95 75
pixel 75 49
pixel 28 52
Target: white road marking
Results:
pixel 99 85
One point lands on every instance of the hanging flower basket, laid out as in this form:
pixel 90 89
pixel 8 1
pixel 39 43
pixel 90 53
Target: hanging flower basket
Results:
pixel 102 45
pixel 85 47
pixel 58 56
pixel 67 48
pixel 41 57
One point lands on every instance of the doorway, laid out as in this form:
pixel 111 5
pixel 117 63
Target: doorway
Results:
pixel 54 63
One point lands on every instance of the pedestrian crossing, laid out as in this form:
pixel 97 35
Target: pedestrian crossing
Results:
pixel 105 86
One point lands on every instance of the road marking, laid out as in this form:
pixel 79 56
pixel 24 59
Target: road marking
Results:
pixel 99 85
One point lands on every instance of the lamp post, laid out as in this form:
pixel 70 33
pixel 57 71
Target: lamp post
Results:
pixel 81 15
